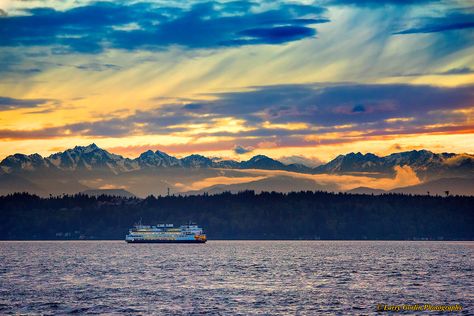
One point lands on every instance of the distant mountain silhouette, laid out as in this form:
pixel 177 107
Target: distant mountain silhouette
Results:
pixel 275 183
pixel 451 186
pixel 366 190
pixel 90 167
pixel 12 183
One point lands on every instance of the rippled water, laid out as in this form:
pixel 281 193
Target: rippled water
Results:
pixel 232 277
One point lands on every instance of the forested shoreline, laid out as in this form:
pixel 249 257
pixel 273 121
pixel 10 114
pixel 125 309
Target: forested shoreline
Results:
pixel 245 215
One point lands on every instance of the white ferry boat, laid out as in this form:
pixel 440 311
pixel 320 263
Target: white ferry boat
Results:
pixel 166 233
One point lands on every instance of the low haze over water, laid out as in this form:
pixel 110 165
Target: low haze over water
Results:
pixel 233 277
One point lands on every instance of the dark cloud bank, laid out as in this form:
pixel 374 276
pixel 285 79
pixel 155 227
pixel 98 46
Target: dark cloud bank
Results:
pixel 340 107
pixel 238 149
pixel 92 28
pixel 7 103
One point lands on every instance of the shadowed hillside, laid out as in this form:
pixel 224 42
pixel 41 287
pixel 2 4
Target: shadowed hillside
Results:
pixel 85 168
pixel 246 215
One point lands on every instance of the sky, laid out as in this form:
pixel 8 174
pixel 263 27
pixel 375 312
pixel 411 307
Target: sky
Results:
pixel 294 80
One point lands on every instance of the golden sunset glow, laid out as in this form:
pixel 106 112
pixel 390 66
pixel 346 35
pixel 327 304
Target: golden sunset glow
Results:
pixel 332 85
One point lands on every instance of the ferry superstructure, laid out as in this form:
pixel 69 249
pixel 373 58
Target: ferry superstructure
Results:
pixel 166 233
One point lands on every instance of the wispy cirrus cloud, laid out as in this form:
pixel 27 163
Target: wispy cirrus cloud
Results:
pixel 453 20
pixel 449 72
pixel 458 71
pixel 379 3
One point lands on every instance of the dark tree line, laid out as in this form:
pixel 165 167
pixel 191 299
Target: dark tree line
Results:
pixel 246 215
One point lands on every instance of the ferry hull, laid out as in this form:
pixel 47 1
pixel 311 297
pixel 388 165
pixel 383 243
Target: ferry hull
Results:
pixel 158 241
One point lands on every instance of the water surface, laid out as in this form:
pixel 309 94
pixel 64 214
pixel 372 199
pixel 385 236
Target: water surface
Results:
pixel 233 277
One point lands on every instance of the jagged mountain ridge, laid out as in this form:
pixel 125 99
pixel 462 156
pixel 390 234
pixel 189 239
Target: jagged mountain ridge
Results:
pixel 94 158
pixel 89 158
pixel 426 164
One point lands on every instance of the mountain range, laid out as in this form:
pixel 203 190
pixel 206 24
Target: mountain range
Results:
pixel 94 158
pixel 425 163
pixel 89 167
